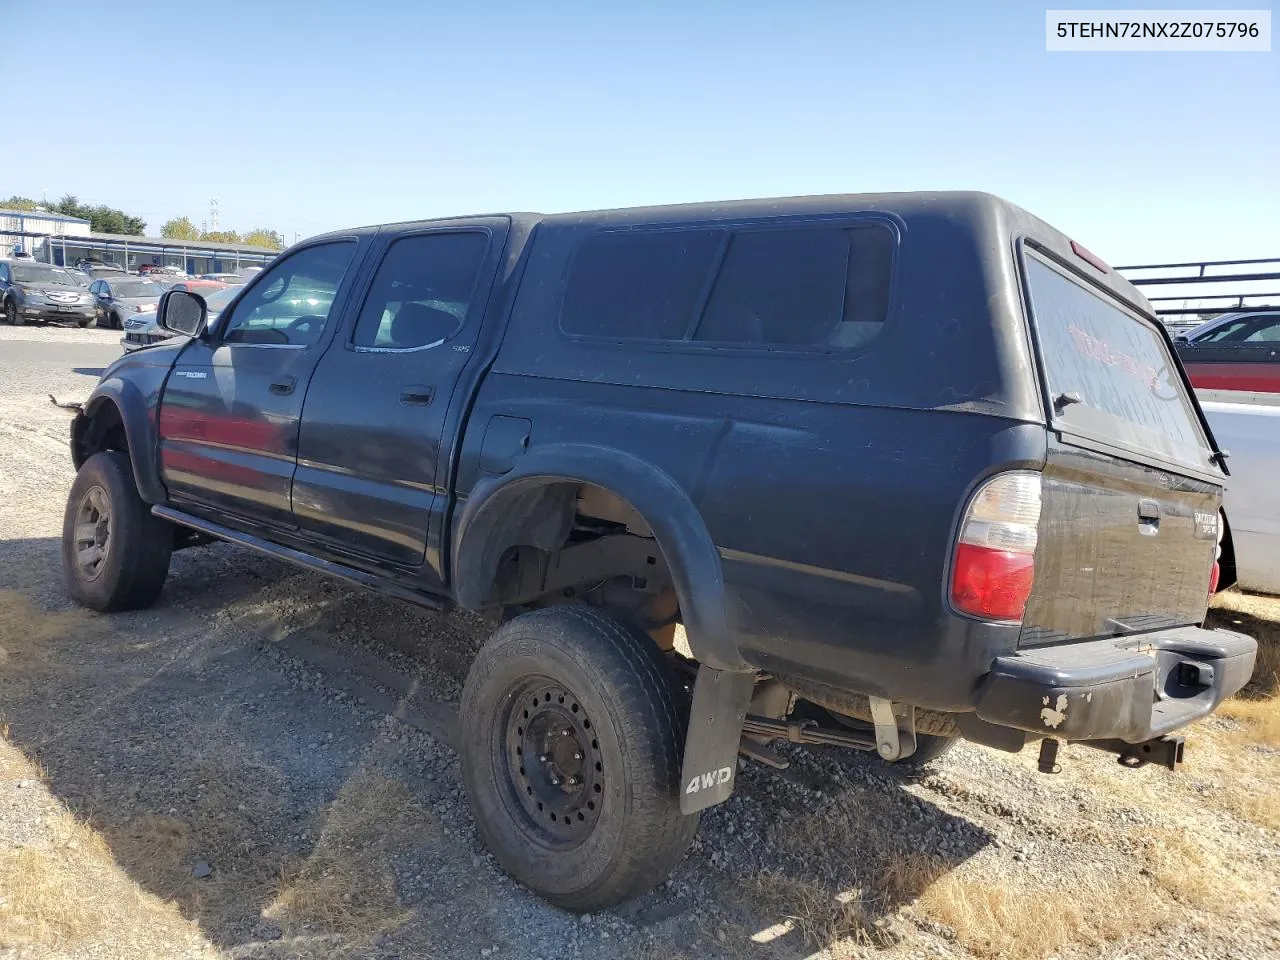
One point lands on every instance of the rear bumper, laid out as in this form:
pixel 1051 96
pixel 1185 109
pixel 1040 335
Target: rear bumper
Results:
pixel 1124 688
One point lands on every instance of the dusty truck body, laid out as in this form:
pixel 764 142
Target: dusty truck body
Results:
pixel 904 467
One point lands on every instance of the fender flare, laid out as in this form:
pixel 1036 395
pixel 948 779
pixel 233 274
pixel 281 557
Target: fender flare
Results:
pixel 678 528
pixel 139 429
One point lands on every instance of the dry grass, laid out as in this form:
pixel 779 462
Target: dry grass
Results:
pixel 347 885
pixel 1259 719
pixel 63 894
pixel 1195 875
pixel 25 630
pixel 820 917
pixel 994 913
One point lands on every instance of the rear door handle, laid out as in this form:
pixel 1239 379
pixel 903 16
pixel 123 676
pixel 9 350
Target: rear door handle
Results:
pixel 284 386
pixel 417 395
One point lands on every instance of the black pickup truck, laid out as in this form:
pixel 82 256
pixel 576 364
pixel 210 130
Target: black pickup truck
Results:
pixel 873 471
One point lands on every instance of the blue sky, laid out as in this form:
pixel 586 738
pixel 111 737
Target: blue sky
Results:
pixel 308 116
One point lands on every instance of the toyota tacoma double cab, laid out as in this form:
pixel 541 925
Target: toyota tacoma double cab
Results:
pixel 871 471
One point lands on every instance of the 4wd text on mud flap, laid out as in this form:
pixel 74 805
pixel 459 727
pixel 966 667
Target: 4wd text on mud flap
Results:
pixel 705 781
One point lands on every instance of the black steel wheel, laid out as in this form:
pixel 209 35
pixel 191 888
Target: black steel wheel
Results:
pixel 554 762
pixel 571 740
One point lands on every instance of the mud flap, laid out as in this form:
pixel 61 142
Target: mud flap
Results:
pixel 720 700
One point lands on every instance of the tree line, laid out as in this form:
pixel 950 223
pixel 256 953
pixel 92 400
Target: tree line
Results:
pixel 104 219
pixel 181 228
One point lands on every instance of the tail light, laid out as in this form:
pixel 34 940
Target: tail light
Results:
pixel 994 563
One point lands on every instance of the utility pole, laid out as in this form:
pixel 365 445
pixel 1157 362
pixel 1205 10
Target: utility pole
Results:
pixel 213 214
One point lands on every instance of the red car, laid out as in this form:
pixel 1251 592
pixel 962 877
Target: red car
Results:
pixel 1237 351
pixel 202 287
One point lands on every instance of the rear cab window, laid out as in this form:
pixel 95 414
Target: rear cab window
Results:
pixel 787 287
pixel 1109 373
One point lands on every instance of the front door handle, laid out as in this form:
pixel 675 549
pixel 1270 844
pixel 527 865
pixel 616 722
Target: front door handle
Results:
pixel 284 386
pixel 417 395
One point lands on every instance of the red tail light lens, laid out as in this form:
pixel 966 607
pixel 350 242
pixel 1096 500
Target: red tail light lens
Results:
pixel 994 565
pixel 992 584
pixel 1214 577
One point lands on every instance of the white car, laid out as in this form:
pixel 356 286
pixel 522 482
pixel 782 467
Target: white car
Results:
pixel 1247 425
pixel 141 331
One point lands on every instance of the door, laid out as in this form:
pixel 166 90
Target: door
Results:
pixel 1239 354
pixel 230 411
pixel 372 457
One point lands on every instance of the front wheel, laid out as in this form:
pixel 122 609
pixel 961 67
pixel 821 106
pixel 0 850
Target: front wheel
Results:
pixel 115 553
pixel 11 314
pixel 571 743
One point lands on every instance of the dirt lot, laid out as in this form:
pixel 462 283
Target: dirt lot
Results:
pixel 259 767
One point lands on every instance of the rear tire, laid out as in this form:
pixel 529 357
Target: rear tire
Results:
pixel 571 741
pixel 115 554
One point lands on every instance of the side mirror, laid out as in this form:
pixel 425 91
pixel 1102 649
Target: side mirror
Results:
pixel 1182 338
pixel 182 313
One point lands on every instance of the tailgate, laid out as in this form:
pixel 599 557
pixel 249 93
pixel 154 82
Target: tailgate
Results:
pixel 1122 548
pixel 1127 537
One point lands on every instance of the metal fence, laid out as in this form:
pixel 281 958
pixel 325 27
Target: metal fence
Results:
pixel 1184 293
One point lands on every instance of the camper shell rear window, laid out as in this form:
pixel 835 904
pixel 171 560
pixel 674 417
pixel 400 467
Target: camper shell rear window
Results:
pixel 1110 374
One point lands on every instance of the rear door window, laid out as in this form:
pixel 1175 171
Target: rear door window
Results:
pixel 1110 374
pixel 421 292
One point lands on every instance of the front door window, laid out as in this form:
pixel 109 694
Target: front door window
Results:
pixel 290 306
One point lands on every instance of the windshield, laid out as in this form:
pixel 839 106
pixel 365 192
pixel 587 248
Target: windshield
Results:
pixel 42 273
pixel 135 288
pixel 220 298
pixel 1110 375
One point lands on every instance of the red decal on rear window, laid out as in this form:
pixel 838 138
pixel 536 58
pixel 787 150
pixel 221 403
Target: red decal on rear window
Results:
pixel 1101 351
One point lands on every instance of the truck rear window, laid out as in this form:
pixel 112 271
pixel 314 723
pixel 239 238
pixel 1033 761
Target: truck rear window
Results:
pixel 1110 374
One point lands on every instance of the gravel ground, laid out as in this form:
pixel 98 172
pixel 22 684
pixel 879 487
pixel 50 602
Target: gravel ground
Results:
pixel 267 753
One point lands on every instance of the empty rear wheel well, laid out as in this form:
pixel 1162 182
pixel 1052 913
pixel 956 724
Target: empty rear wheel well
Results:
pixel 583 543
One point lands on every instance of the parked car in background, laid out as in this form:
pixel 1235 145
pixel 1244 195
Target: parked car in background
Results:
pixel 30 290
pixel 202 287
pixel 160 270
pixel 223 277
pixel 1236 351
pixel 141 330
pixel 96 272
pixel 116 298
pixel 1247 425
